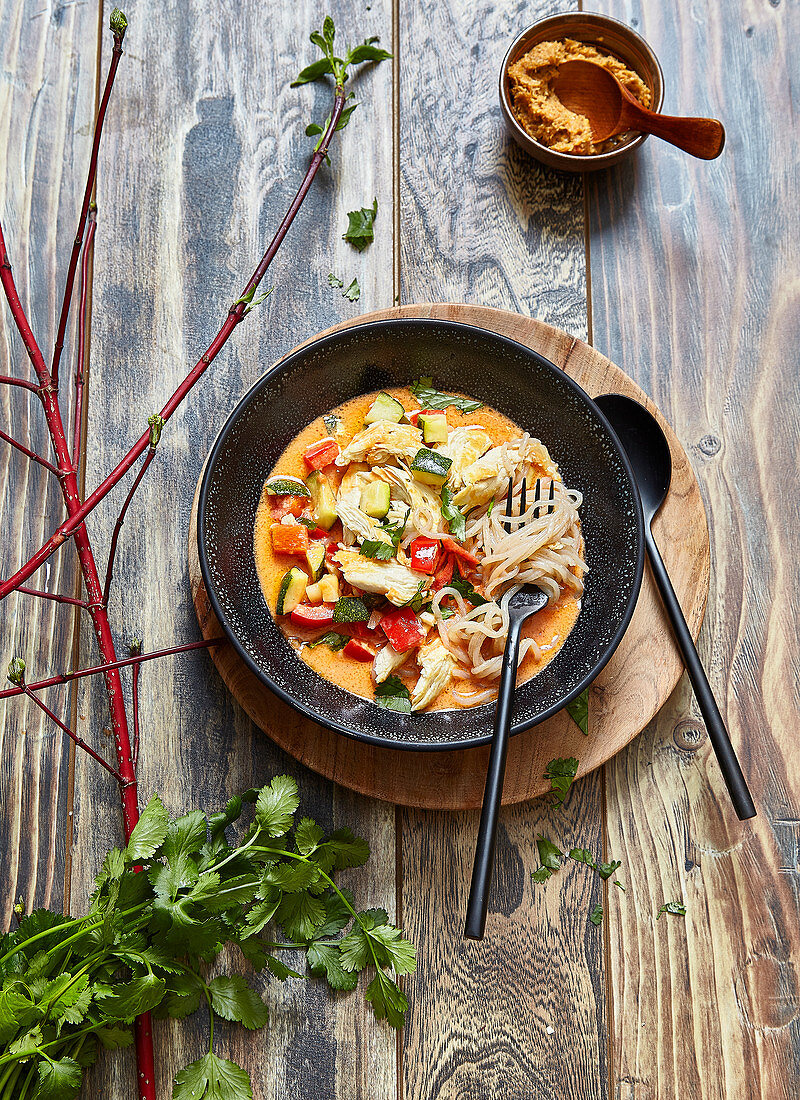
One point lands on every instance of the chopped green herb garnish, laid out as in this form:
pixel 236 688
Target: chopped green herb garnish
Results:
pixel 456 523
pixel 393 694
pixel 360 231
pixel 578 710
pixel 375 548
pixel 617 883
pixel 606 870
pixel 561 772
pixel 672 907
pixel 353 292
pixel 549 854
pixel 582 855
pixel 331 423
pixel 335 282
pixel 395 531
pixel 332 640
pixel 490 509
pixel 429 398
pixel 596 915
pixel 466 589
pixel 542 875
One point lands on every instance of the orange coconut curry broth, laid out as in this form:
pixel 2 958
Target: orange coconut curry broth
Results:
pixel 377 524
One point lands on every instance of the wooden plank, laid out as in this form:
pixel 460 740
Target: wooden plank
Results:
pixel 521 1014
pixel 206 148
pixel 696 271
pixel 47 94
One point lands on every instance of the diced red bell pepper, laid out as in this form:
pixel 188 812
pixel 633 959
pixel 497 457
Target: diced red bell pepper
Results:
pixel 414 416
pixel 457 549
pixel 403 629
pixel 287 506
pixel 359 651
pixel 289 538
pixel 424 554
pixel 444 574
pixel 321 454
pixel 317 533
pixel 362 631
pixel 307 615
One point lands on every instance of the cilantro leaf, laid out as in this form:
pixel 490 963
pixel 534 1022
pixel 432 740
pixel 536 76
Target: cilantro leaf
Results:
pixel 578 710
pixel 280 970
pixel 353 292
pixel 332 640
pixel 582 855
pixel 387 1000
pixel 429 398
pixel 542 875
pixel 672 907
pixel 325 961
pixel 308 835
pixel 113 1037
pixel 466 589
pixel 276 805
pixel 393 694
pixel 58 1080
pixel 233 999
pixel 360 230
pixel 606 870
pixel 149 832
pixel 131 999
pixel 345 849
pixel 300 914
pixel 375 548
pixel 212 1078
pixel 456 523
pixel 596 915
pixel 337 284
pixel 549 854
pixel 561 772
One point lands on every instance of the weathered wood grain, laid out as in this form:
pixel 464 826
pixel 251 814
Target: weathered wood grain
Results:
pixel 482 222
pixel 47 94
pixel 206 147
pixel 696 279
pixel 624 697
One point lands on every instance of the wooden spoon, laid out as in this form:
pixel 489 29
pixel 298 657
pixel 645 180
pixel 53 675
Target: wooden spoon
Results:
pixel 590 90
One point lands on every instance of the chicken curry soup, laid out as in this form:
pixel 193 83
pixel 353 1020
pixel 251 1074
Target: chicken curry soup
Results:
pixel 385 555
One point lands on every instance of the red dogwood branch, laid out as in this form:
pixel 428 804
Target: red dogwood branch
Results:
pixel 112 553
pixel 29 454
pixel 77 416
pixel 52 596
pixel 78 740
pixel 5 380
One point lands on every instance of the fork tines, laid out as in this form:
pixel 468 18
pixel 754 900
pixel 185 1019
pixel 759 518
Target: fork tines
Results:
pixel 523 496
pixel 537 496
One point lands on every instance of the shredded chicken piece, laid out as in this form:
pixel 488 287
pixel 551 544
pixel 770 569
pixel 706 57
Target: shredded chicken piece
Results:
pixel 386 578
pixel 383 441
pixel 436 666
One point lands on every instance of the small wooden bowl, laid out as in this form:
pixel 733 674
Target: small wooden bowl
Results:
pixel 609 36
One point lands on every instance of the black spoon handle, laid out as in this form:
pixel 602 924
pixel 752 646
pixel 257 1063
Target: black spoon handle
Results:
pixel 493 791
pixel 729 765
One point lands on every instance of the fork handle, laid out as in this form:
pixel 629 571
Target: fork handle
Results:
pixel 493 791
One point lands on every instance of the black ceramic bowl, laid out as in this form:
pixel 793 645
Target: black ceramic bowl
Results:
pixel 531 391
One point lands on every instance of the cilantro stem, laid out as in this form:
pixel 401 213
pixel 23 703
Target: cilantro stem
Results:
pixel 12 1058
pixel 67 924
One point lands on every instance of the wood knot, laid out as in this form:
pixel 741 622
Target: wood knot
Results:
pixel 710 445
pixel 689 735
pixel 766 990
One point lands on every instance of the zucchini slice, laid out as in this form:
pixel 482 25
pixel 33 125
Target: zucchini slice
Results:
pixel 292 589
pixel 430 467
pixel 322 498
pixel 315 556
pixel 385 407
pixel 434 426
pixel 284 486
pixel 375 499
pixel 350 609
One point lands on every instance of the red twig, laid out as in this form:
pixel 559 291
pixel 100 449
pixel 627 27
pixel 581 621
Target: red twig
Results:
pixel 120 520
pixel 79 741
pixel 30 454
pixel 7 381
pixel 52 596
pixel 235 315
pixel 87 198
pixel 77 418
pixel 79 673
pixel 136 651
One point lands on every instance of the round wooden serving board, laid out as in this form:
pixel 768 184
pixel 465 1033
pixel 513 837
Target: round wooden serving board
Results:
pixel 625 696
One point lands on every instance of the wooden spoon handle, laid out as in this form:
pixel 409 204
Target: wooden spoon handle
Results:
pixel 702 137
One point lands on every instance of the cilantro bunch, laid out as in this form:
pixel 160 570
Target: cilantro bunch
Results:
pixel 163 908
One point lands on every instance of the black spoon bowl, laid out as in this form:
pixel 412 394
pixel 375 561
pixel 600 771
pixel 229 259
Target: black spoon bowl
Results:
pixel 648 452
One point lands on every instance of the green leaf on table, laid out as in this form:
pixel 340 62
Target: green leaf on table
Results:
pixel 149 832
pixel 337 914
pixel 130 999
pixel 58 1080
pixel 561 773
pixel 233 999
pixel 276 805
pixel 261 914
pixel 183 995
pixel 606 870
pixel 337 284
pixel 300 914
pixel 180 848
pixel 387 1000
pixel 596 915
pixel 360 230
pixel 456 522
pixel 280 970
pixel 392 949
pixel 291 877
pixel 367 52
pixel 582 855
pixel 430 398
pixel 344 849
pixel 393 694
pixel 212 1078
pixel 578 710
pixel 674 907
pixel 549 854
pixel 353 292
pixel 325 960
pixel 238 890
pixel 16 1010
pixel 314 71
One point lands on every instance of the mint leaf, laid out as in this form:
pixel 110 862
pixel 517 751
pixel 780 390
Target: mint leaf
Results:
pixel 233 999
pixel 360 231
pixel 393 694
pixel 276 805
pixel 456 522
pixel 58 1080
pixel 367 52
pixel 314 71
pixel 429 398
pixel 674 907
pixel 149 832
pixel 596 915
pixel 578 710
pixel 561 772
pixel 212 1078
pixel 549 854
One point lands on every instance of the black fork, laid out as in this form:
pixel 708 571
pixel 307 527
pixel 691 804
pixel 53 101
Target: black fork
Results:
pixel 522 605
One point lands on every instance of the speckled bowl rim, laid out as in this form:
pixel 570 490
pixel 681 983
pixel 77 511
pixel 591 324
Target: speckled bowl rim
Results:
pixel 285 366
pixel 567 162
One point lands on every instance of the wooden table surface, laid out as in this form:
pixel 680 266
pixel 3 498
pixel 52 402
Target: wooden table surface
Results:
pixel 686 274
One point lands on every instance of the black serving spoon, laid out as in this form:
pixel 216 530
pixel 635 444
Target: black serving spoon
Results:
pixel 648 451
pixel 524 603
